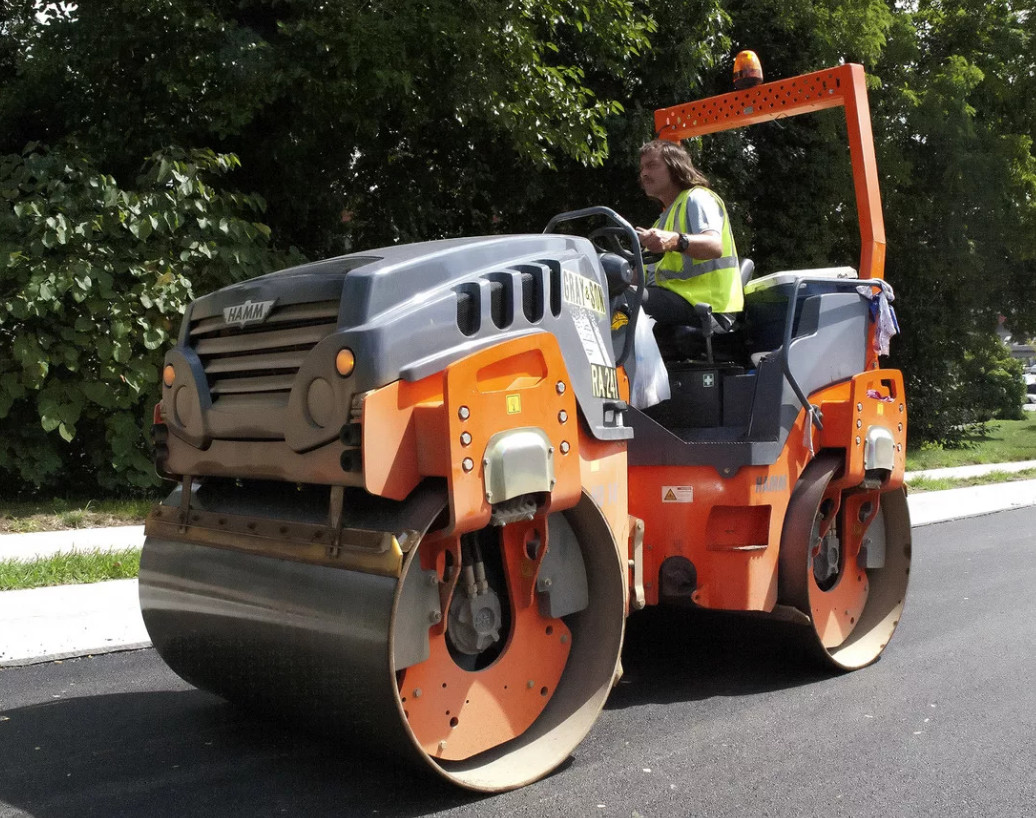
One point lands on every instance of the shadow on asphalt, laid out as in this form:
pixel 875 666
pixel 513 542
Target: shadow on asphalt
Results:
pixel 681 655
pixel 183 753
pixel 189 753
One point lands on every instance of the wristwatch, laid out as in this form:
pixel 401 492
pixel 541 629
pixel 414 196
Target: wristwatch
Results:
pixel 683 242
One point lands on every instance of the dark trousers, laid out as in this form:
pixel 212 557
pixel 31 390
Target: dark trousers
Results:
pixel 666 307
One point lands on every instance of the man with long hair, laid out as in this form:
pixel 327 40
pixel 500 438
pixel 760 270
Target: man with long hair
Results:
pixel 699 263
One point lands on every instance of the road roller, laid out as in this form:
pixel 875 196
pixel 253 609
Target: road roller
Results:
pixel 414 496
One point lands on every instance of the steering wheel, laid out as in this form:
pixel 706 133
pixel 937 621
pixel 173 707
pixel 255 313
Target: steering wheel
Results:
pixel 608 239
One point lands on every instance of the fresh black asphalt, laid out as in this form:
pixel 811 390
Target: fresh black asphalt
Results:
pixel 714 717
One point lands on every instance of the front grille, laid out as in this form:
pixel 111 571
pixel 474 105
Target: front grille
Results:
pixel 256 364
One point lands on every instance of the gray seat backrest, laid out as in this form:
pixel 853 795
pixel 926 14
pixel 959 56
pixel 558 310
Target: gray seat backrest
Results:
pixel 747 269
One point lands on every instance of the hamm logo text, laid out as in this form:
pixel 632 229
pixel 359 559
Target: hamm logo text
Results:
pixel 251 312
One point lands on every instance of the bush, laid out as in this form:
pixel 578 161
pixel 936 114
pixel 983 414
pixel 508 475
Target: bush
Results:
pixel 970 380
pixel 992 382
pixel 93 281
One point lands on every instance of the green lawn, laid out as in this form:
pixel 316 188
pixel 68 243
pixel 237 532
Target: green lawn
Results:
pixel 1005 441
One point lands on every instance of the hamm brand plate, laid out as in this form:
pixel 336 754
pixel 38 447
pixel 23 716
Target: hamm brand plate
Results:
pixel 251 312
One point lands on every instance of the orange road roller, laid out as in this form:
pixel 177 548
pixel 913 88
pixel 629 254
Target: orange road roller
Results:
pixel 417 498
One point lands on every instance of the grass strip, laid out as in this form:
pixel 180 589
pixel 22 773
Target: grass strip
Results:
pixel 25 517
pixel 69 569
pixel 1001 441
pixel 919 484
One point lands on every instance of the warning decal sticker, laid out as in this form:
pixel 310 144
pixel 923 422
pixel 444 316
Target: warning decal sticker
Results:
pixel 677 494
pixel 590 337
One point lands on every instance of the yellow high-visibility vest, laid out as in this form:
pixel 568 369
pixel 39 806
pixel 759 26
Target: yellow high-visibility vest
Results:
pixel 712 281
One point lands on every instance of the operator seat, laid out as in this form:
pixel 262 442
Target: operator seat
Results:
pixel 692 340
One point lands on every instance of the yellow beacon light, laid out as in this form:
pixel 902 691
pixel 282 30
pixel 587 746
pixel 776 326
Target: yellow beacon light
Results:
pixel 748 71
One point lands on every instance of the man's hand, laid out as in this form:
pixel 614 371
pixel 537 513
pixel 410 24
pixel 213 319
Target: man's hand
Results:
pixel 657 241
pixel 707 245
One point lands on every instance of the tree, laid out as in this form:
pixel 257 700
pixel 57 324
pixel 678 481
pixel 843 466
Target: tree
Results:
pixel 93 280
pixel 775 179
pixel 367 124
pixel 957 111
pixel 360 123
pixel 992 382
pixel 953 104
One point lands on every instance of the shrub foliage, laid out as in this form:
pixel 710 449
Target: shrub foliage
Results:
pixel 93 280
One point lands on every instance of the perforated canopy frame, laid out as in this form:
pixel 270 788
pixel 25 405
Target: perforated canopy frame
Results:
pixel 841 87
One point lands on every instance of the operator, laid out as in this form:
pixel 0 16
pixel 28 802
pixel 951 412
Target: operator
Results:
pixel 700 264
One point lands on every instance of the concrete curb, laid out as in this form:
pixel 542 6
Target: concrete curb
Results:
pixel 43 624
pixel 956 504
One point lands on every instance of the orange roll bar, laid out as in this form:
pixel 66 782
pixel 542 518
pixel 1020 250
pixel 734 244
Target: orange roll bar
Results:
pixel 843 86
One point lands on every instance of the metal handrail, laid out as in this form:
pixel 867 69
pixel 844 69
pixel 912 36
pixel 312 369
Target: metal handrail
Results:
pixel 789 325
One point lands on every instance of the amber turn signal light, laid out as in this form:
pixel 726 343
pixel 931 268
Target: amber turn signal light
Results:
pixel 168 375
pixel 345 362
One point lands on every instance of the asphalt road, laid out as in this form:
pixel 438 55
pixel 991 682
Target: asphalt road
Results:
pixel 713 718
